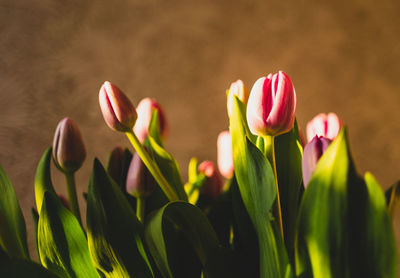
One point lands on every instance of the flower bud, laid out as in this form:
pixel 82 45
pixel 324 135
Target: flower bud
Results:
pixel 272 105
pixel 115 163
pixel 312 153
pixel 64 201
pixel 145 110
pixel 326 125
pixel 68 149
pixel 213 186
pixel 225 157
pixel 139 181
pixel 237 89
pixel 117 109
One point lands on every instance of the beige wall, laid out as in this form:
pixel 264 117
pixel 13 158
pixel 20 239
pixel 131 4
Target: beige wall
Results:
pixel 342 56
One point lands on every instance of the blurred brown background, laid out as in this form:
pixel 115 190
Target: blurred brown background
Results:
pixel 343 56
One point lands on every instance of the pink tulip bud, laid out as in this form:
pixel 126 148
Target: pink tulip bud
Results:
pixel 115 161
pixel 145 110
pixel 272 105
pixel 139 181
pixel 225 157
pixel 212 187
pixel 326 125
pixel 237 89
pixel 117 109
pixel 68 149
pixel 312 153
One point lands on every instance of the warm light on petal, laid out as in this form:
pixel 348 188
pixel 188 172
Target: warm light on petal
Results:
pixel 225 157
pixel 326 125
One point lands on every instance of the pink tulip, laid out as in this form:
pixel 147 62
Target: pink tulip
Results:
pixel 326 125
pixel 145 110
pixel 312 153
pixel 225 157
pixel 237 89
pixel 272 105
pixel 139 181
pixel 117 109
pixel 115 163
pixel 212 187
pixel 68 148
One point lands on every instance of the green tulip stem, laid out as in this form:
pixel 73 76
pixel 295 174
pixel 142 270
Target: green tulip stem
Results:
pixel 269 151
pixel 140 208
pixel 72 196
pixel 152 166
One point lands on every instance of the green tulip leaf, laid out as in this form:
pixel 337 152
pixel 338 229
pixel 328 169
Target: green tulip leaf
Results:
pixel 35 218
pixel 393 198
pixel 288 153
pixel 114 232
pixel 343 227
pixel 63 247
pixel 12 223
pixel 258 191
pixel 43 178
pixel 194 228
pixel 154 128
pixel 168 167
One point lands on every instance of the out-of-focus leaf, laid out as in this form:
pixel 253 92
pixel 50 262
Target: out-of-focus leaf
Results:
pixel 114 232
pixel 154 128
pixel 19 268
pixel 195 181
pixel 196 230
pixel 257 188
pixel 43 179
pixel 12 223
pixel 168 167
pixel 35 218
pixel 62 244
pixel 288 153
pixel 393 198
pixel 343 226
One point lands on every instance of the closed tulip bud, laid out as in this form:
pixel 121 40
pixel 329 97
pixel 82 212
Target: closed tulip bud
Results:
pixel 139 181
pixel 237 89
pixel 272 105
pixel 115 163
pixel 225 157
pixel 117 109
pixel 145 110
pixel 68 149
pixel 326 125
pixel 312 153
pixel 213 186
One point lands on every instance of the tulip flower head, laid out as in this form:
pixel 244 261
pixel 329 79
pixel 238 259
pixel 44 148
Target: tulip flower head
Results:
pixel 68 149
pixel 272 105
pixel 237 89
pixel 326 125
pixel 312 153
pixel 115 163
pixel 117 109
pixel 213 185
pixel 145 110
pixel 225 157
pixel 139 181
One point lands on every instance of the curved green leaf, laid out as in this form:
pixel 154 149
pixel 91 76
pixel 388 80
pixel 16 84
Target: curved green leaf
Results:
pixel 12 223
pixel 196 230
pixel 257 188
pixel 62 244
pixel 288 153
pixel 114 232
pixel 343 227
pixel 168 167
pixel 43 178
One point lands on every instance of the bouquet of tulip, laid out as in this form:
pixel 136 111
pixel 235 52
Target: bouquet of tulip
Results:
pixel 283 211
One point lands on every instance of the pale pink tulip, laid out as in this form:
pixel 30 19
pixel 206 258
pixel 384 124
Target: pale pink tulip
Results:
pixel 145 110
pixel 272 105
pixel 225 157
pixel 139 181
pixel 117 109
pixel 326 125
